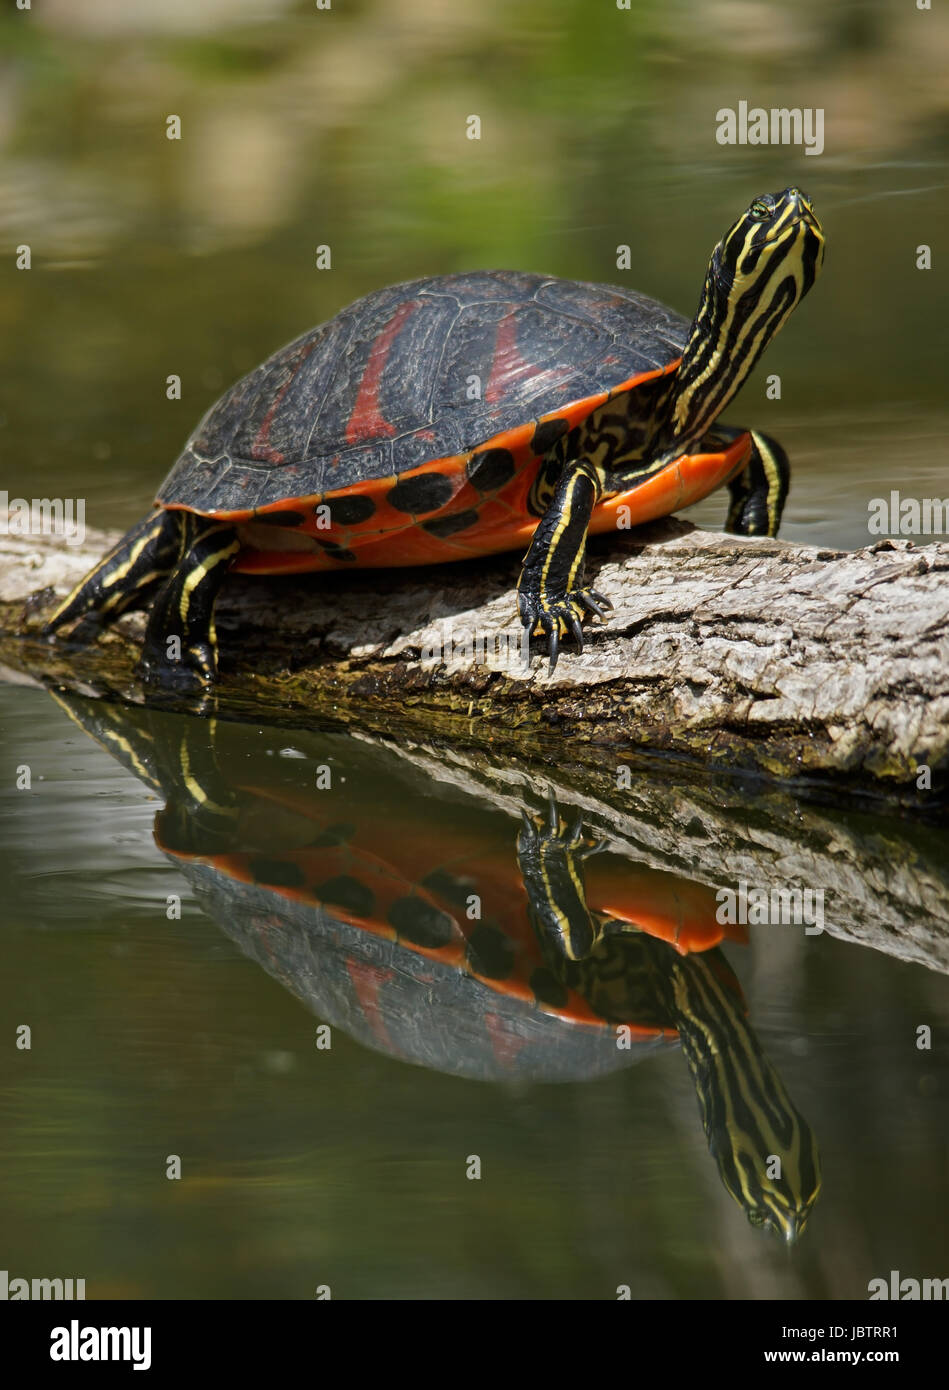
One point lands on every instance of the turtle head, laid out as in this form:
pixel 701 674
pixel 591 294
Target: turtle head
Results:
pixel 779 1208
pixel 765 1149
pixel 770 257
pixel 763 266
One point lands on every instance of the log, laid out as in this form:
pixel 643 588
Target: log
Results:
pixel 743 654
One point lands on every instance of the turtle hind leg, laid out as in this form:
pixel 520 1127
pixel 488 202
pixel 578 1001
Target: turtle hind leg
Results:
pixel 180 647
pixel 760 490
pixel 124 579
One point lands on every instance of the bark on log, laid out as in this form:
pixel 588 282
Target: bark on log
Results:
pixel 752 654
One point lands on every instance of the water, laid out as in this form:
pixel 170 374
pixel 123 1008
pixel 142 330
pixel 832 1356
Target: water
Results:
pixel 348 1165
pixel 196 1036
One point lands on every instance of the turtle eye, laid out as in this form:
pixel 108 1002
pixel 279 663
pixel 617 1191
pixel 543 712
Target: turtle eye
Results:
pixel 761 208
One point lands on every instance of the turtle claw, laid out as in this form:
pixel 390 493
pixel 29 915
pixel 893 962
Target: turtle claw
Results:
pixel 561 618
pixel 595 603
pixel 554 646
pixel 570 836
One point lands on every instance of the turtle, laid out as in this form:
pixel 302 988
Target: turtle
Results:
pixel 465 415
pixel 578 961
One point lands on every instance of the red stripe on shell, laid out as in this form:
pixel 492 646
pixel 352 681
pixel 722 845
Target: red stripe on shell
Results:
pixel 367 421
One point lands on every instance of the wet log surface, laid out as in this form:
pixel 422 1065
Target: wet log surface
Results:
pixel 756 655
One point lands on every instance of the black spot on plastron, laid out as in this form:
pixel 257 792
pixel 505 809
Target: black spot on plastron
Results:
pixel 450 525
pixel 547 988
pixel 446 885
pixel 335 551
pixel 491 469
pixel 420 922
pixel 277 873
pixel 332 836
pixel 350 511
pixel 286 518
pixel 490 952
pixel 347 893
pixel 546 435
pixel 424 493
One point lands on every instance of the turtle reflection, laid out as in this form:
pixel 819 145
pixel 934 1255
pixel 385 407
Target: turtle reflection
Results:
pixel 427 928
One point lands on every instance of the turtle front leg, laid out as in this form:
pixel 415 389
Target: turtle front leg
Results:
pixel 760 490
pixel 551 597
pixel 550 856
pixel 180 646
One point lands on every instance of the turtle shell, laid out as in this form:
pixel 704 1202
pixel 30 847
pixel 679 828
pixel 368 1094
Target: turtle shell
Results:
pixel 425 407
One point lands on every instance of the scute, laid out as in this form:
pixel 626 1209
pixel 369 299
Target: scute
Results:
pixel 424 370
